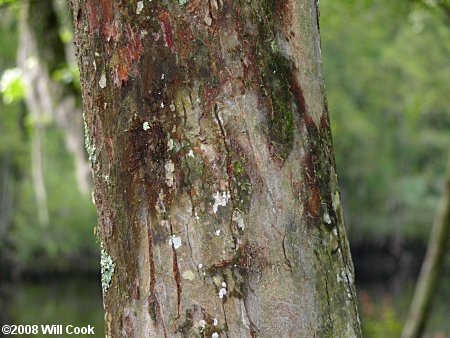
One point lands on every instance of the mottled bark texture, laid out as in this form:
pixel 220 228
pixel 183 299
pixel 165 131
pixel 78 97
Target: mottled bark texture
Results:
pixel 215 183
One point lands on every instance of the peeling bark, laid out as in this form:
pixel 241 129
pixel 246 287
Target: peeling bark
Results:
pixel 214 172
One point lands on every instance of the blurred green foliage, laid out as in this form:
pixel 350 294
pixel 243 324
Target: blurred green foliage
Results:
pixel 68 241
pixel 11 85
pixel 387 72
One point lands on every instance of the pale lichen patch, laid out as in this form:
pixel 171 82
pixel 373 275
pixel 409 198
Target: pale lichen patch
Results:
pixel 170 144
pixel 189 275
pixel 170 168
pixel 89 148
pixel 159 206
pixel 107 267
pixel 220 200
pixel 223 290
pixel 326 218
pixel 102 82
pixel 209 152
pixel 139 7
pixel 237 217
pixel 350 278
pixel 336 201
pixel 175 241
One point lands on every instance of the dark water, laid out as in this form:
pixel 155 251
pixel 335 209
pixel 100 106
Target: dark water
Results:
pixel 383 310
pixel 383 306
pixel 66 302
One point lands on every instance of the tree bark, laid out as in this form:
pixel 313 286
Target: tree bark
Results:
pixel 431 268
pixel 215 182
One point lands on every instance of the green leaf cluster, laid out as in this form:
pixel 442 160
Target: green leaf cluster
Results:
pixel 386 69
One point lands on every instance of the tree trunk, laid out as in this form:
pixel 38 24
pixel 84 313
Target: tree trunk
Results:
pixel 215 183
pixel 432 267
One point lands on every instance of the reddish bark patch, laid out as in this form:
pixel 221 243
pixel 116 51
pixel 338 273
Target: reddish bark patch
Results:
pixel 209 94
pixel 127 324
pixel 120 74
pixel 184 39
pixel 101 18
pixel 134 44
pixel 314 202
pixel 134 289
pixel 128 57
pixel 92 16
pixel 176 276
pixel 107 22
pixel 152 263
pixel 312 192
pixel 110 146
pixel 252 332
pixel 248 63
pixel 324 121
pixel 299 99
pixel 164 21
pixel 284 11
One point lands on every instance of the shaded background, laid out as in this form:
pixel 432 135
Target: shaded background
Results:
pixel 387 72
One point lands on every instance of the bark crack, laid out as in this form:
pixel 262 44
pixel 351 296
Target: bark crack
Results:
pixel 252 326
pixel 193 212
pixel 328 301
pixel 152 299
pixel 328 310
pixel 349 270
pixel 287 261
pixel 269 192
pixel 228 170
pixel 225 319
pixel 176 275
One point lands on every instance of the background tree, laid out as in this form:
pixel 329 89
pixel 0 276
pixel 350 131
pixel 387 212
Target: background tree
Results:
pixel 44 60
pixel 215 184
pixel 41 124
pixel 432 269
